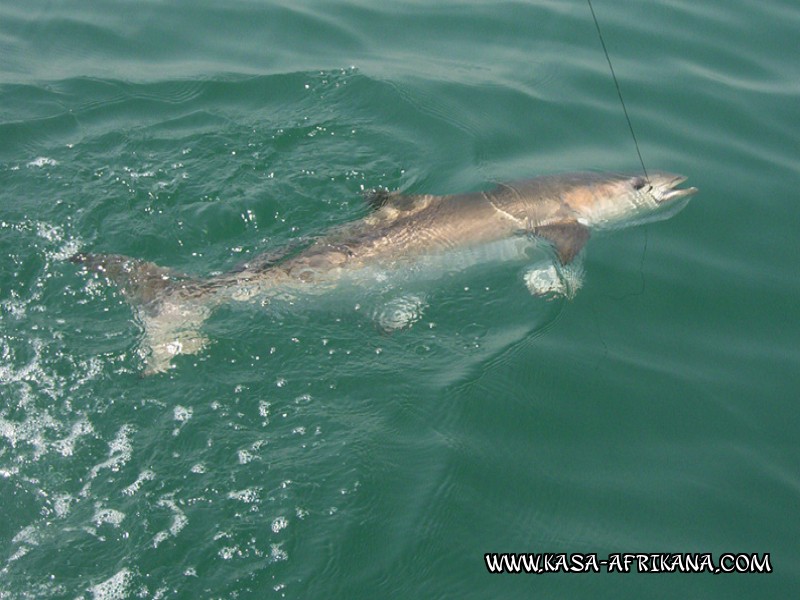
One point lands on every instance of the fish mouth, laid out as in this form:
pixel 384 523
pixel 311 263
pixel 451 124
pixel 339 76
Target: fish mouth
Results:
pixel 670 191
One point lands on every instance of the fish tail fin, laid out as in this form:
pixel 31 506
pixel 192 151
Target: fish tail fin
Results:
pixel 170 306
pixel 140 281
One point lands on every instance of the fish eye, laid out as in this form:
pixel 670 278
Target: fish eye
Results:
pixel 638 183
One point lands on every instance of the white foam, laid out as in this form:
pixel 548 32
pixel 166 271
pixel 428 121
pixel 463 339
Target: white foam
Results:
pixel 108 515
pixel 61 505
pixel 15 306
pixel 245 456
pixel 263 411
pixel 113 588
pixel 66 446
pixel 28 535
pixel 21 551
pixel 182 415
pixel 279 523
pixel 179 521
pixel 136 485
pixel 139 174
pixel 120 451
pixel 67 249
pixel 121 444
pixel 43 161
pixel 277 553
pixel 249 495
pixel 49 232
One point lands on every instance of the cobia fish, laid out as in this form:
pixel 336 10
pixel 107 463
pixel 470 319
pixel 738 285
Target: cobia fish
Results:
pixel 425 233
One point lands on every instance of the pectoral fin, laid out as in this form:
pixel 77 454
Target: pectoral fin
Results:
pixel 554 281
pixel 567 238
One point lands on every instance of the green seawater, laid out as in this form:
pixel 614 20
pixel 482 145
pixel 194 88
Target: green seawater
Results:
pixel 306 453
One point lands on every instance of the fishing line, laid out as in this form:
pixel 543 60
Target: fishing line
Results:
pixel 619 91
pixel 646 176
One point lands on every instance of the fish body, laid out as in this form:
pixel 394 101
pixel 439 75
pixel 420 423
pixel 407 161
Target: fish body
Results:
pixel 401 232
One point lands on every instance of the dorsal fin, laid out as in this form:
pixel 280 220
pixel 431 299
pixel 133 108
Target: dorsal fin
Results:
pixel 381 197
pixel 568 238
pixel 267 260
pixel 377 198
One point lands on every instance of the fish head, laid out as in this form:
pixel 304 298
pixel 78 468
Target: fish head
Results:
pixel 625 200
pixel 662 186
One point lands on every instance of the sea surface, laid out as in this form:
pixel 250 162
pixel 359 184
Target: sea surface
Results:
pixel 307 452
